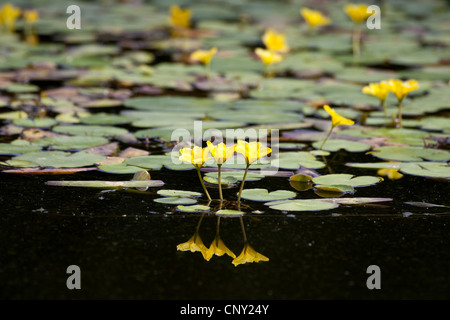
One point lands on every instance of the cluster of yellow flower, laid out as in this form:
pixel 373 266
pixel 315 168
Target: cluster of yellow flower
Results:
pixel 399 88
pixel 9 14
pixel 197 156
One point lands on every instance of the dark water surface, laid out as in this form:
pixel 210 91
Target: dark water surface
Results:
pixel 125 244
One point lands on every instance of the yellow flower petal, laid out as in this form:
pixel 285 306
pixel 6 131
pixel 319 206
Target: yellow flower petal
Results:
pixel 402 88
pixel 314 18
pixel 30 16
pixel 204 56
pixel 252 151
pixel 218 248
pixel 194 244
pixel 357 12
pixel 268 57
pixel 197 156
pixel 336 119
pixel 249 255
pixel 180 17
pixel 275 41
pixel 379 90
pixel 220 152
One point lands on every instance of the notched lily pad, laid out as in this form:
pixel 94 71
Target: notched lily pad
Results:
pixel 345 179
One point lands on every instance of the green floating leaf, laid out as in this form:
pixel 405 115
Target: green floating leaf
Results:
pixel 18 147
pixel 345 179
pixel 338 188
pixel 118 168
pixel 338 144
pixel 237 175
pixel 176 200
pixel 193 208
pixel 107 184
pixel 35 123
pixel 295 160
pixel 223 180
pixel 20 88
pixel 90 130
pixel 302 205
pixel 178 193
pixel 431 169
pixel 61 159
pixel 300 178
pixel 410 154
pixel 264 195
pixel 230 213
pixel 72 142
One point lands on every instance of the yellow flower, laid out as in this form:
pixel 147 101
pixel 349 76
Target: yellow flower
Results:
pixel 180 17
pixel 249 255
pixel 197 156
pixel 218 248
pixel 8 15
pixel 379 90
pixel 357 12
pixel 194 244
pixel 220 152
pixel 314 18
pixel 31 16
pixel 401 89
pixel 268 57
pixel 275 41
pixel 251 151
pixel 392 174
pixel 336 119
pixel 204 56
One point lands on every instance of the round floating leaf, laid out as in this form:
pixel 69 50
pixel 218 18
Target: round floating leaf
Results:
pixel 431 169
pixel 36 123
pixel 345 179
pixel 20 88
pixel 300 178
pixel 237 175
pixel 264 195
pixel 302 205
pixel 178 193
pixel 106 119
pixel 175 200
pixel 18 147
pixel 339 188
pixel 61 159
pixel 410 154
pixel 119 168
pixel 90 130
pixel 223 180
pixel 193 208
pixel 229 213
pixel 338 144
pixel 107 184
pixel 72 142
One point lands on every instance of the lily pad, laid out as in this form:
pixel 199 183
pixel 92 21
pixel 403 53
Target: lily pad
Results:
pixel 193 208
pixel 338 144
pixel 178 193
pixel 106 184
pixel 264 195
pixel 176 200
pixel 229 213
pixel 302 205
pixel 410 154
pixel 237 175
pixel 61 159
pixel 345 179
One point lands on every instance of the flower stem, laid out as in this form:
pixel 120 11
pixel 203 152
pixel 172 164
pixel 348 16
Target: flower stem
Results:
pixel 208 74
pixel 243 181
pixel 220 181
pixel 356 40
pixel 328 135
pixel 400 113
pixel 243 229
pixel 203 185
pixel 383 105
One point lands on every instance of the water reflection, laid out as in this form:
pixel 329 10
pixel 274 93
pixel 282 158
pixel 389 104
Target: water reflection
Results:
pixel 218 247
